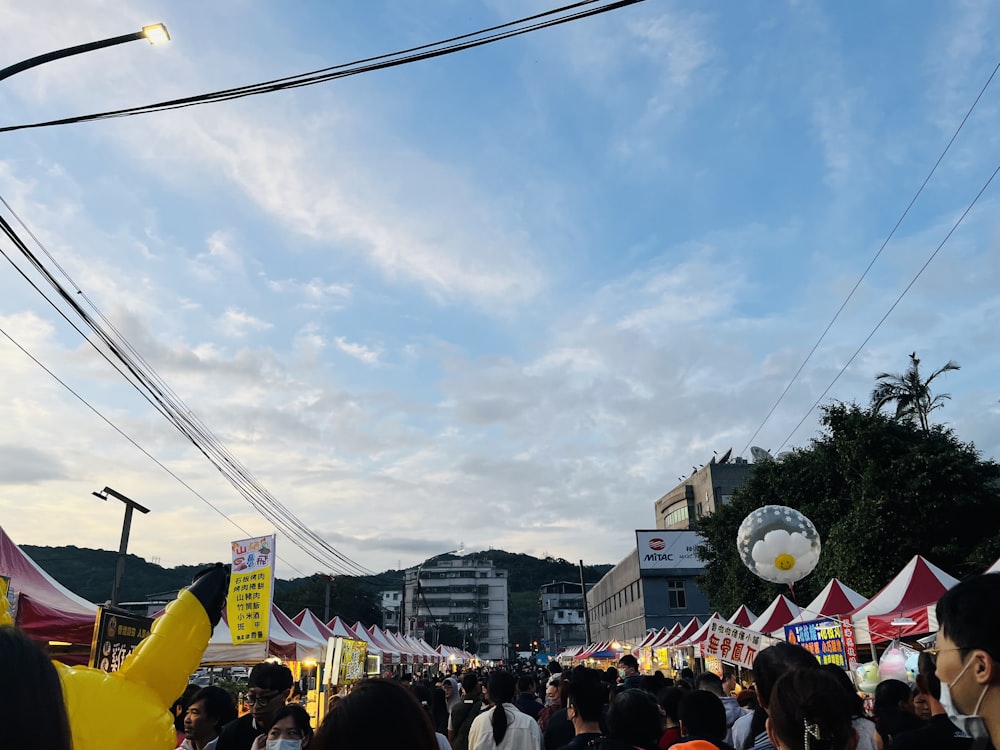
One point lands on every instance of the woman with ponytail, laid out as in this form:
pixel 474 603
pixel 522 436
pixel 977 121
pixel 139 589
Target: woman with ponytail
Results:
pixel 810 710
pixel 503 727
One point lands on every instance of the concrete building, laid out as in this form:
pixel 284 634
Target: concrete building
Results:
pixel 390 609
pixel 700 494
pixel 655 586
pixel 562 616
pixel 467 593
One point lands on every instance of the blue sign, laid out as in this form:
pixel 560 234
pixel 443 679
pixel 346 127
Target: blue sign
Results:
pixel 824 639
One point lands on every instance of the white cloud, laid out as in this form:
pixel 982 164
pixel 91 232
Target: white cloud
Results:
pixel 360 352
pixel 238 323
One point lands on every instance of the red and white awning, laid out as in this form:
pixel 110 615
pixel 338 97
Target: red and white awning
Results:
pixel 779 613
pixel 742 617
pixel 834 600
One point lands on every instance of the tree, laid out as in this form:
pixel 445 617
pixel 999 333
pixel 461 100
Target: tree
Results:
pixel 910 393
pixel 350 599
pixel 879 491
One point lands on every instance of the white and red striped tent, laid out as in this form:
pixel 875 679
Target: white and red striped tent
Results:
pixel 593 648
pixel 694 624
pixel 994 568
pixel 651 636
pixel 911 595
pixel 285 640
pixel 667 636
pixel 390 653
pixel 454 655
pixel 700 634
pixel 742 617
pixel 834 600
pixel 312 625
pixel 341 629
pixel 779 613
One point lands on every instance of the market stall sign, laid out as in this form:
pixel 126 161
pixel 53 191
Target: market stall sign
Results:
pixel 116 635
pixel 825 639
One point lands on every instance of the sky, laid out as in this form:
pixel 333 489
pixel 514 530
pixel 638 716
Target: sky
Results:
pixel 502 298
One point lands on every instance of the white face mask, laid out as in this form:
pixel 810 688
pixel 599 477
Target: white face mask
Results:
pixel 284 745
pixel 972 724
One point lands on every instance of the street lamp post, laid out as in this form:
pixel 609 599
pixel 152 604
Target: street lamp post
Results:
pixel 130 505
pixel 154 34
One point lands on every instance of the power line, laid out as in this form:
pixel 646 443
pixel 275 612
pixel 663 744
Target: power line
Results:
pixel 366 65
pixel 893 305
pixel 864 274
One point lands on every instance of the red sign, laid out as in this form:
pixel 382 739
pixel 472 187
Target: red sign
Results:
pixel 657 543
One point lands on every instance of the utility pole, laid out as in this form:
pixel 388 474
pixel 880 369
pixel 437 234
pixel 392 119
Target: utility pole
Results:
pixel 130 505
pixel 586 610
pixel 326 599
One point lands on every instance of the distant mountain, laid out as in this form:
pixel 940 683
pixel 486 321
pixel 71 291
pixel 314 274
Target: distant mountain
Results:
pixel 90 573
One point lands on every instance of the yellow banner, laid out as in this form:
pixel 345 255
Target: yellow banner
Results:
pixel 248 608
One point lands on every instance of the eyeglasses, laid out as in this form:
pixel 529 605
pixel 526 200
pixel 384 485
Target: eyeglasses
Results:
pixel 260 700
pixel 935 651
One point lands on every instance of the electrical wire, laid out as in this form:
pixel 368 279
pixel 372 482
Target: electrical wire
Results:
pixel 893 305
pixel 864 274
pixel 366 65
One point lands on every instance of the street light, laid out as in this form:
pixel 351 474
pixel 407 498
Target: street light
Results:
pixel 130 505
pixel 154 34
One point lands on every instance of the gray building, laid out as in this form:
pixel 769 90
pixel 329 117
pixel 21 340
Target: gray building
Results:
pixel 390 609
pixel 562 616
pixel 706 490
pixel 467 593
pixel 655 586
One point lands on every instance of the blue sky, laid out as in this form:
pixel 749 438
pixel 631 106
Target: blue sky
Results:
pixel 501 298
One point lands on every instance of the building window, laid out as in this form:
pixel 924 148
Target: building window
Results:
pixel 676 517
pixel 678 595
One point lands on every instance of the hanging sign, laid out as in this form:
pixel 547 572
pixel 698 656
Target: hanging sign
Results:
pixel 248 607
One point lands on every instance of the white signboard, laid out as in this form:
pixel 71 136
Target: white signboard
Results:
pixel 668 550
pixel 732 644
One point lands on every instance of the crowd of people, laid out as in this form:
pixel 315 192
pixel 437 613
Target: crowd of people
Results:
pixel 794 703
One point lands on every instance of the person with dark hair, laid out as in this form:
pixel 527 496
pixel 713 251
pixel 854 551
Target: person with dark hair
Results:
pixel 503 727
pixel 267 688
pixel 553 702
pixel 687 673
pixel 585 701
pixel 729 681
pixel 634 721
pixel 559 729
pixel 938 732
pixel 526 701
pixel 32 710
pixel 669 700
pixel 768 666
pixel 864 726
pixel 968 656
pixel 893 709
pixel 808 710
pixel 710 682
pixel 377 715
pixel 425 695
pixel 703 722
pixel 179 708
pixel 629 667
pixel 291 730
pixel 465 711
pixel 208 710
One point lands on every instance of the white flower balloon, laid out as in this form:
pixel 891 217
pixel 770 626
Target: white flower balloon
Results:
pixel 779 544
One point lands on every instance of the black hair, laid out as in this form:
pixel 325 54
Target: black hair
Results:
pixel 501 690
pixel 811 701
pixel 32 711
pixel 179 708
pixel 927 669
pixel 687 673
pixel 588 698
pixel 703 715
pixel 669 699
pixel 772 662
pixel 968 613
pixel 628 660
pixel 525 683
pixel 891 694
pixel 270 676
pixel 710 682
pixel 635 718
pixel 359 720
pixel 727 673
pixel 219 704
pixel 611 675
pixel 857 703
pixel 299 715
pixel 554 667
pixel 470 682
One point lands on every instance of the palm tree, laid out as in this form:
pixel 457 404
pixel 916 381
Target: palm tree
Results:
pixel 910 393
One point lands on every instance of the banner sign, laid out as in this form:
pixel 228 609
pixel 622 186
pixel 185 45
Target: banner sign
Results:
pixel 248 607
pixel 850 645
pixel 116 635
pixel 733 644
pixel 824 639
pixel 8 598
pixel 668 550
pixel 346 660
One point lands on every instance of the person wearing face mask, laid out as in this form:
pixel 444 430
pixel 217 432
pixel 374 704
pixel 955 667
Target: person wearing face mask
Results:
pixel 939 733
pixel 967 656
pixel 291 730
pixel 269 685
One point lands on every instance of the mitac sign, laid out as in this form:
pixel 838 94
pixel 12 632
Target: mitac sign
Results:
pixel 666 550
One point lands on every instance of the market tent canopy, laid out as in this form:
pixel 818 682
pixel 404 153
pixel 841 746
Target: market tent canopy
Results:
pixel 994 568
pixel 911 595
pixel 375 649
pixel 45 610
pixel 390 652
pixel 693 626
pixel 313 626
pixel 652 636
pixel 288 646
pixel 742 617
pixel 701 633
pixel 340 628
pixel 835 599
pixel 666 635
pixel 779 613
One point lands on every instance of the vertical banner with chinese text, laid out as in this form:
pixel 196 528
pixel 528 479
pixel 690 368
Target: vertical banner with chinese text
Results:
pixel 826 640
pixel 248 608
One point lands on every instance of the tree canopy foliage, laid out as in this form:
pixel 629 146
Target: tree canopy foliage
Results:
pixel 879 490
pixel 910 392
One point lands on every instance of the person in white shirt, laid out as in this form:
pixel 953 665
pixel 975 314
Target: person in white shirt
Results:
pixel 503 727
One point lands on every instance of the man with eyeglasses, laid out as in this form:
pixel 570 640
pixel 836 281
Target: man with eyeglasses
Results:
pixel 268 687
pixel 966 653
